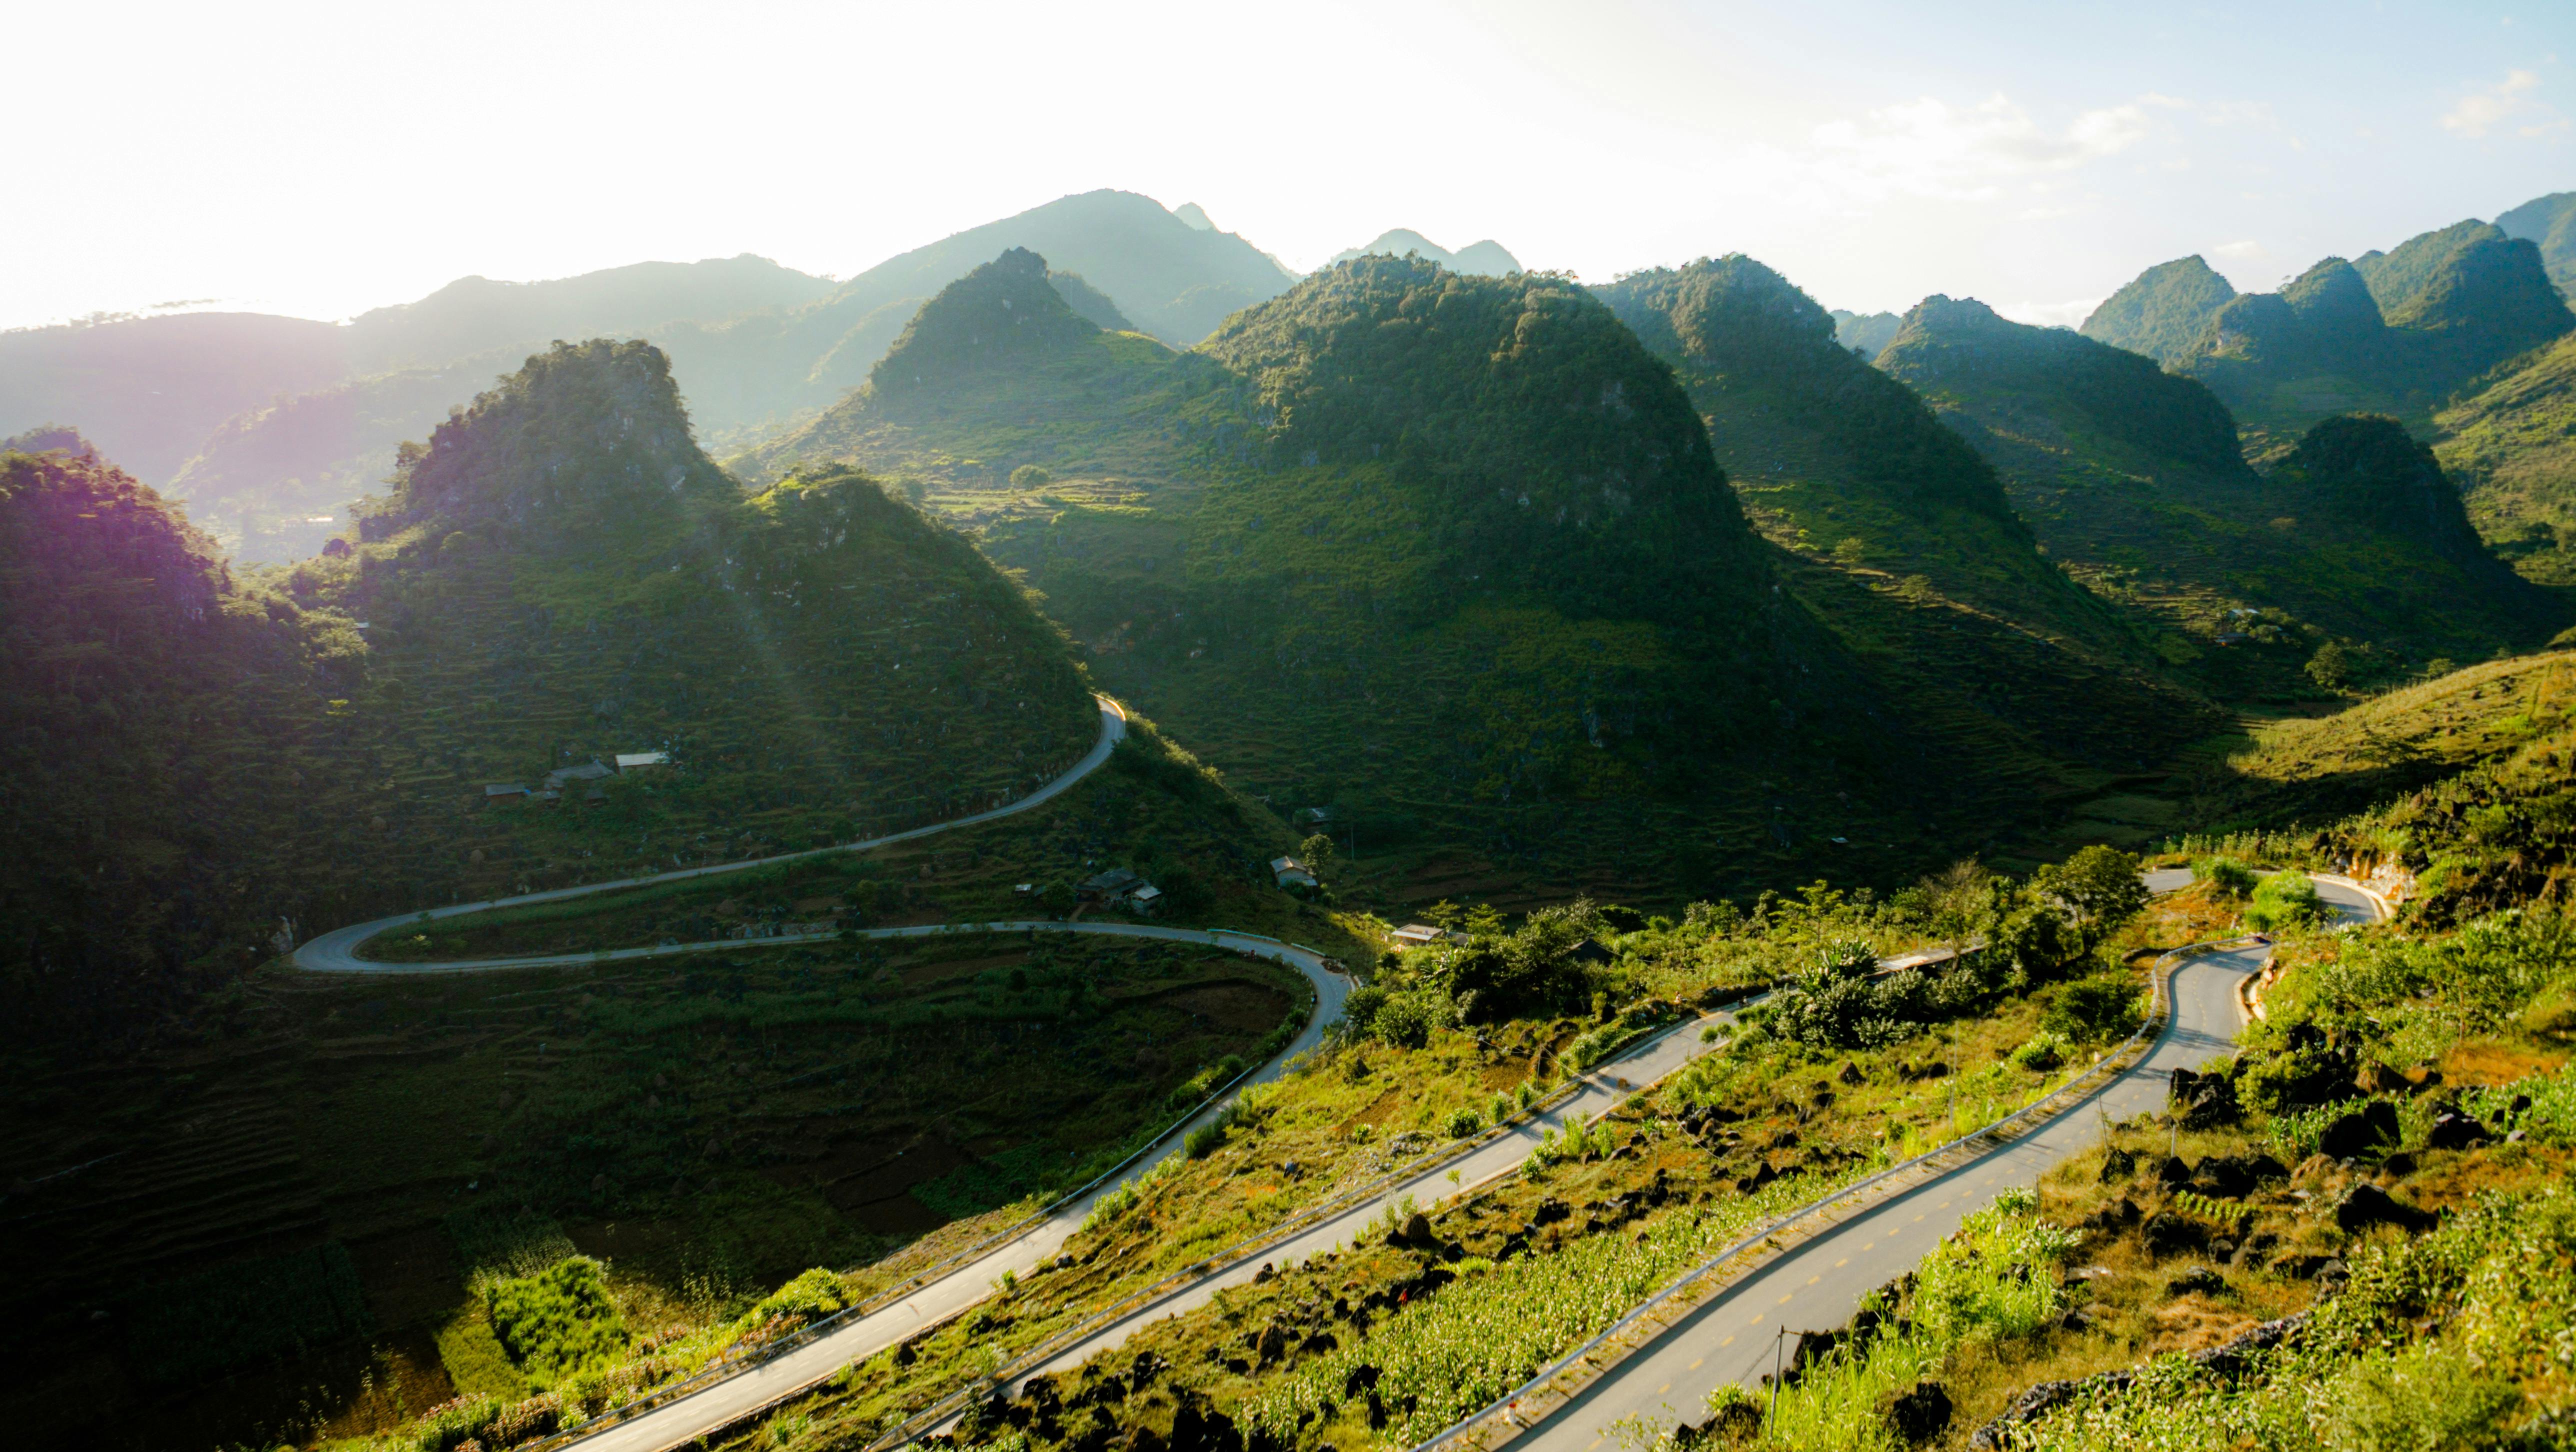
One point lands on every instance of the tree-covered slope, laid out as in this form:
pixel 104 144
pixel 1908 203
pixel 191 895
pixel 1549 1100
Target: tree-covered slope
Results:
pixel 560 575
pixel 2512 446
pixel 2131 476
pixel 2550 223
pixel 557 576
pixel 2395 332
pixel 2163 311
pixel 147 705
pixel 1451 556
pixel 1836 458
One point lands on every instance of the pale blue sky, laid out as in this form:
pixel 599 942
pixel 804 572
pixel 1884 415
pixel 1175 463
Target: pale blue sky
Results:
pixel 324 159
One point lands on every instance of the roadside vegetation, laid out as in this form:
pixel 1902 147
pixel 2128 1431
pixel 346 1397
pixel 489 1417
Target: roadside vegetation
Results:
pixel 1445 1304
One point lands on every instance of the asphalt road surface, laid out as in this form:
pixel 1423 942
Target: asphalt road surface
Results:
pixel 1820 1283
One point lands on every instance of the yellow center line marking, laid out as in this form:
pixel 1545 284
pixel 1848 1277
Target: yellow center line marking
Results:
pixel 1918 1219
pixel 1784 1300
pixel 1811 1280
pixel 1694 1366
pixel 1729 1341
pixel 1667 1386
pixel 1846 1260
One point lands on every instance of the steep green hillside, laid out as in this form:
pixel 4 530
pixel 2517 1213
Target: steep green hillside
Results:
pixel 2395 332
pixel 2512 446
pixel 2131 477
pixel 145 703
pixel 556 577
pixel 2550 223
pixel 1451 557
pixel 2163 311
pixel 1837 459
pixel 560 576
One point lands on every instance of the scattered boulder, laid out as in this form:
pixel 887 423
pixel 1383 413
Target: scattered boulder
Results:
pixel 2366 1205
pixel 2117 1165
pixel 1918 1414
pixel 2169 1234
pixel 2355 1134
pixel 2223 1177
pixel 2198 1279
pixel 2173 1171
pixel 1849 1073
pixel 2456 1132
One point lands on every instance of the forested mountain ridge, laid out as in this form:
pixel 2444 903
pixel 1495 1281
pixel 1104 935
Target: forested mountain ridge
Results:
pixel 557 576
pixel 2395 332
pixel 2131 475
pixel 1304 545
pixel 1838 460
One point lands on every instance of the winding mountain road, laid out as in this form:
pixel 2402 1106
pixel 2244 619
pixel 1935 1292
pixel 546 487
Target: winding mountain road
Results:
pixel 1820 1283
pixel 1666 1379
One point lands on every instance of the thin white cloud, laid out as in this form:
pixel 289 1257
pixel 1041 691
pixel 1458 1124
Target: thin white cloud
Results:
pixel 2247 248
pixel 1930 148
pixel 2507 103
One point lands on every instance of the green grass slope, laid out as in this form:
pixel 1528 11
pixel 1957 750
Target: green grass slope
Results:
pixel 2130 475
pixel 2512 446
pixel 1451 556
pixel 2549 223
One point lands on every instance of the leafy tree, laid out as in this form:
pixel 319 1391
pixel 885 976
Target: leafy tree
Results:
pixel 2330 667
pixel 2099 885
pixel 1318 852
pixel 1030 476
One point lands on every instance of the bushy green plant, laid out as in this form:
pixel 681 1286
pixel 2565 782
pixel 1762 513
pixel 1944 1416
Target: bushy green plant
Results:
pixel 811 1296
pixel 1463 1122
pixel 2225 875
pixel 2287 900
pixel 1203 1141
pixel 450 1424
pixel 2093 1010
pixel 557 1322
pixel 1407 1020
pixel 2041 1052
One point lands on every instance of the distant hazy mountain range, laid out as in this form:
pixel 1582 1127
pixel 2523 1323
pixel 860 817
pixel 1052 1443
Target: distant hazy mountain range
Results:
pixel 267 427
pixel 1480 259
